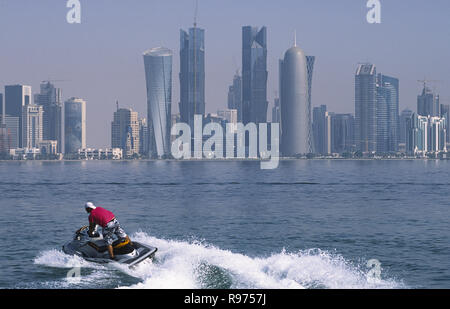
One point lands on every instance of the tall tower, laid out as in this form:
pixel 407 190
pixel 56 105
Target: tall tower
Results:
pixel 158 76
pixel 17 96
pixel 428 102
pixel 32 125
pixel 235 95
pixel 387 114
pixel 74 125
pixel 125 131
pixel 50 98
pixel 295 109
pixel 319 129
pixel 366 108
pixel 254 75
pixel 192 73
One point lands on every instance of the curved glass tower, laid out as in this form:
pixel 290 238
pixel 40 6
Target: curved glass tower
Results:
pixel 295 110
pixel 74 125
pixel 158 76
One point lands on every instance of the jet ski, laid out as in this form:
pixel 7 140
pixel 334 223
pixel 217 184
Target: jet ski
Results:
pixel 93 248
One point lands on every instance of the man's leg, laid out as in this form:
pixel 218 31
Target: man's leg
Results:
pixel 121 233
pixel 111 252
pixel 108 237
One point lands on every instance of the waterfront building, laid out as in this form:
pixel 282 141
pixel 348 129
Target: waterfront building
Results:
pixel 10 132
pixel 192 74
pixel 341 133
pixel 32 125
pixel 100 154
pixel 295 110
pixel 426 134
pixel 74 125
pixel 387 114
pixel 125 131
pixel 445 113
pixel 48 147
pixel 404 116
pixel 366 108
pixel 320 129
pixel 235 95
pixel 428 102
pixel 158 75
pixel 254 75
pixel 17 96
pixel 276 111
pixel 143 136
pixel 50 98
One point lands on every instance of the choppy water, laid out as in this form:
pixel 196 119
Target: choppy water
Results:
pixel 307 224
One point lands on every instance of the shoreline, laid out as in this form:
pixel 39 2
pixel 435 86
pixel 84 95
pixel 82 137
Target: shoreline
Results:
pixel 236 160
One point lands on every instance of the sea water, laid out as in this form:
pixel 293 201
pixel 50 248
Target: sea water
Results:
pixel 306 224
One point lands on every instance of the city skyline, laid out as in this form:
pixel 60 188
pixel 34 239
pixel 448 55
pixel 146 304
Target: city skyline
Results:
pixel 76 58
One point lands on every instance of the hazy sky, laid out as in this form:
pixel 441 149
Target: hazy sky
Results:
pixel 101 58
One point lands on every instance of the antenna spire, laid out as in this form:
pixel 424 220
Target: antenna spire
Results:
pixel 295 38
pixel 195 13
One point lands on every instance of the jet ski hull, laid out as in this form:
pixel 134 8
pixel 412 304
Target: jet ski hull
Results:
pixel 93 249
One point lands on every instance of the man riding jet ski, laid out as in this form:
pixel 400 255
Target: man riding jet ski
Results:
pixel 94 247
pixel 108 222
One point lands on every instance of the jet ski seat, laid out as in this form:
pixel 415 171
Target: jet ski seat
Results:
pixel 119 246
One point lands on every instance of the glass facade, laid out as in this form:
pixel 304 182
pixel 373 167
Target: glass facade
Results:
pixel 158 75
pixel 426 134
pixel 366 108
pixel 17 96
pixel 74 125
pixel 254 75
pixel 50 98
pixel 192 74
pixel 428 103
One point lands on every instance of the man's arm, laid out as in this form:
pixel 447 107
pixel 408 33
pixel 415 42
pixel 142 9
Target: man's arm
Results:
pixel 91 228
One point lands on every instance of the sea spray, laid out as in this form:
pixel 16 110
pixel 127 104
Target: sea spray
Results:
pixel 194 264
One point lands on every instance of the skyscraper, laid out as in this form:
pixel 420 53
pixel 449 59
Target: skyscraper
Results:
pixel 158 75
pixel 235 95
pixel 125 131
pixel 295 110
pixel 10 132
pixel 310 69
pixel 445 113
pixel 366 108
pixel 276 111
pixel 17 96
pixel 341 133
pixel 404 117
pixel 320 129
pixel 387 113
pixel 254 74
pixel 1 104
pixel 74 125
pixel 50 98
pixel 32 125
pixel 143 136
pixel 426 134
pixel 428 102
pixel 192 74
